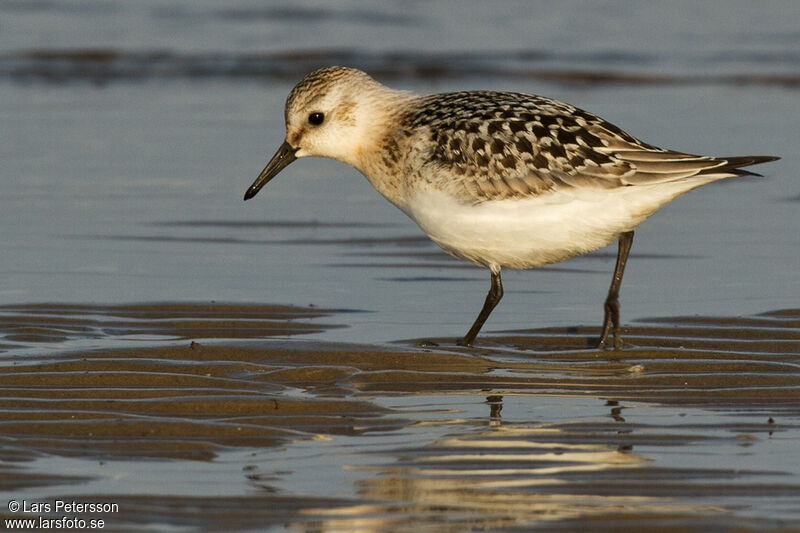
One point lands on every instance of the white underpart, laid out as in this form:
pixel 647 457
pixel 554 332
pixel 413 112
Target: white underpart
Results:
pixel 391 137
pixel 538 231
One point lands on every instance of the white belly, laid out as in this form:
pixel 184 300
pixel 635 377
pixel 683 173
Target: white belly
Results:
pixel 537 231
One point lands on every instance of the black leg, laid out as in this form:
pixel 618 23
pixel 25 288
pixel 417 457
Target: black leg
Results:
pixel 611 319
pixel 495 293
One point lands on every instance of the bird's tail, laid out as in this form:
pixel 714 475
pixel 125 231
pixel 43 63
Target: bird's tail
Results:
pixel 732 166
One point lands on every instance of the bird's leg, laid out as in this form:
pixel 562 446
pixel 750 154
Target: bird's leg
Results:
pixel 495 293
pixel 611 319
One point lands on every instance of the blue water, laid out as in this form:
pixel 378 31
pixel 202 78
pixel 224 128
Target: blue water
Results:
pixel 130 131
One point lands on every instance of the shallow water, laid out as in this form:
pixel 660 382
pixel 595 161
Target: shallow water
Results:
pixel 694 425
pixel 130 133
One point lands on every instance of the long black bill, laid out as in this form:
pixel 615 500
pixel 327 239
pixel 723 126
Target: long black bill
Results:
pixel 284 156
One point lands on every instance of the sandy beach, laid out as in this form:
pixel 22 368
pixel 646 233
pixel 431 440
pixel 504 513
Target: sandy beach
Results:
pixel 200 390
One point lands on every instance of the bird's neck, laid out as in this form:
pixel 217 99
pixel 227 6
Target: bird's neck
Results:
pixel 379 155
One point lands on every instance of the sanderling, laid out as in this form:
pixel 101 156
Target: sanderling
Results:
pixel 501 179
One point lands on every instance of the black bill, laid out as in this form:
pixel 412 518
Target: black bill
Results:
pixel 284 156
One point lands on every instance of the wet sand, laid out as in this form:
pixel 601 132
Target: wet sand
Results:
pixel 132 132
pixel 215 417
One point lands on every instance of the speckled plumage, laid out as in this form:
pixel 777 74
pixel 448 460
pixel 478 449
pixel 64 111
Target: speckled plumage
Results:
pixel 496 145
pixel 501 179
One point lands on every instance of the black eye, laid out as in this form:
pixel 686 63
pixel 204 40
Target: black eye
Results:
pixel 316 118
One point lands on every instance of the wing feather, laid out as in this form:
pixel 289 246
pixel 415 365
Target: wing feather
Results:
pixel 491 146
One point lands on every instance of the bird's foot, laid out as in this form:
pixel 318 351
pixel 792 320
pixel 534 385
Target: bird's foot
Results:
pixel 427 344
pixel 603 343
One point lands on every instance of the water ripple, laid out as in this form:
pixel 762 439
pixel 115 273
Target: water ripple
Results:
pixel 106 65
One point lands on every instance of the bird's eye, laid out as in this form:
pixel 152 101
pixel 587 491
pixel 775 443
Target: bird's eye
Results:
pixel 316 118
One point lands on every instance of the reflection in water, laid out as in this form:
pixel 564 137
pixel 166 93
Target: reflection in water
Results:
pixel 405 440
pixel 616 410
pixel 495 402
pixel 501 477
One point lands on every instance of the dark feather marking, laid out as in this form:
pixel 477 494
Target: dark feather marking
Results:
pixel 495 126
pixel 517 126
pixel 540 161
pixel 498 146
pixel 510 145
pixel 556 150
pixel 524 145
pixel 540 131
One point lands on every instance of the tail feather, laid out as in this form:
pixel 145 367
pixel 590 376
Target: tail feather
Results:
pixel 732 165
pixel 663 166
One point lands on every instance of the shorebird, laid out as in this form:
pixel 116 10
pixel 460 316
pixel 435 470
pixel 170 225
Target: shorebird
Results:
pixel 501 179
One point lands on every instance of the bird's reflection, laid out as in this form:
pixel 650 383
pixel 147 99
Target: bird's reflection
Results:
pixel 495 402
pixel 503 475
pixel 616 410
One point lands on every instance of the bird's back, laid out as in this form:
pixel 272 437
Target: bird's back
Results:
pixel 483 146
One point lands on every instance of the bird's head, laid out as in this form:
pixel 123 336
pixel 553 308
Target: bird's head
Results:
pixel 328 114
